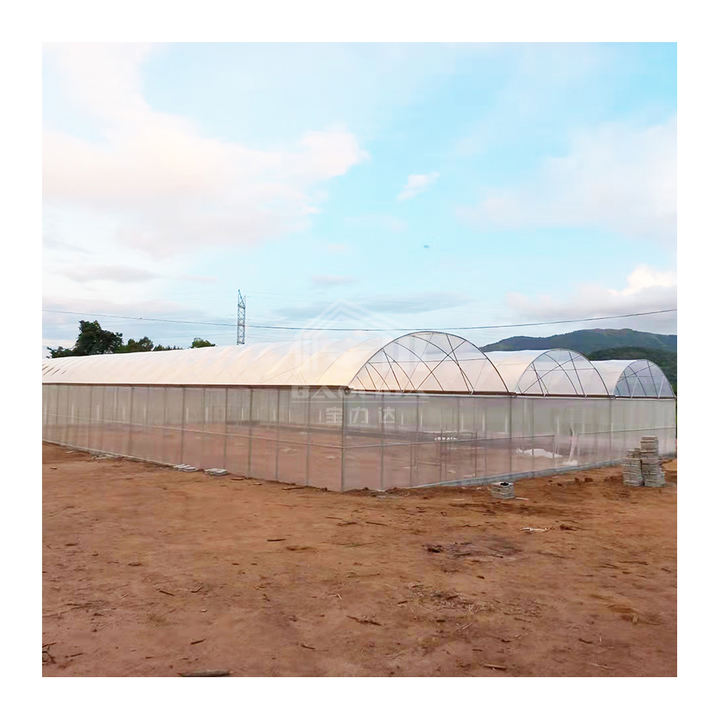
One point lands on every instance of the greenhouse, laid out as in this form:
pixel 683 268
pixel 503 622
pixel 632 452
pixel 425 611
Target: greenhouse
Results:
pixel 427 408
pixel 634 378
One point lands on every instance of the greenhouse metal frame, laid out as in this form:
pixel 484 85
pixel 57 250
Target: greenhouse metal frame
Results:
pixel 424 409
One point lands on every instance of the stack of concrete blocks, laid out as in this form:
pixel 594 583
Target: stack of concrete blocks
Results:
pixel 641 466
pixel 632 469
pixel 503 490
pixel 652 472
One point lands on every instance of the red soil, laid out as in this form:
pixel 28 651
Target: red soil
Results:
pixel 150 571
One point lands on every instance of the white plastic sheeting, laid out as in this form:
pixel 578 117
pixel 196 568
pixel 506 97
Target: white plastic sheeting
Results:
pixel 416 362
pixel 548 372
pixel 426 408
pixel 344 440
pixel 634 378
pixel 421 361
pixel 429 362
pixel 306 362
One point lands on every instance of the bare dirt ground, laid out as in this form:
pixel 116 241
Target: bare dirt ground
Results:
pixel 150 571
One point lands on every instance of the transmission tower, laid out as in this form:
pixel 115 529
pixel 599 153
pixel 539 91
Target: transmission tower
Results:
pixel 240 319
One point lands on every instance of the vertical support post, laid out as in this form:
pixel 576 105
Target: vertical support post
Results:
pixel 90 421
pixel 532 431
pixel 485 443
pixel 342 444
pixel 182 427
pixel 225 431
pixel 163 429
pixel 144 429
pixel 114 422
pixel 130 422
pixel 510 433
pixel 457 442
pixel 611 431
pixel 203 431
pixel 101 419
pixel 277 432
pixel 382 442
pixel 250 431
pixel 307 438
pixel 414 447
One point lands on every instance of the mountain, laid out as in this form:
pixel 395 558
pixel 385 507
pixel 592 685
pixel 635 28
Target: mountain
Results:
pixel 590 341
pixel 664 359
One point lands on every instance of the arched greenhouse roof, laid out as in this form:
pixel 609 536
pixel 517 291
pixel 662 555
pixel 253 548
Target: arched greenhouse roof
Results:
pixel 309 361
pixel 429 362
pixel 548 372
pixel 421 361
pixel 634 378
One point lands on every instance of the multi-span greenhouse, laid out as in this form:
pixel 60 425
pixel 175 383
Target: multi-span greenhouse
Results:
pixel 427 408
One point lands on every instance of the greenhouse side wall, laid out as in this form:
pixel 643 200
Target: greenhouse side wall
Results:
pixel 343 441
pixel 290 435
pixel 414 440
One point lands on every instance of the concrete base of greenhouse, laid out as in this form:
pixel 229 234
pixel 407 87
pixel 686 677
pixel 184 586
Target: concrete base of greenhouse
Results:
pixel 549 472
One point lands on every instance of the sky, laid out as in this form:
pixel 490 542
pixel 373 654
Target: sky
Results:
pixel 357 185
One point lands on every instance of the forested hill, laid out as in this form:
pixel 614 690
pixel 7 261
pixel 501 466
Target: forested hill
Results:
pixel 590 341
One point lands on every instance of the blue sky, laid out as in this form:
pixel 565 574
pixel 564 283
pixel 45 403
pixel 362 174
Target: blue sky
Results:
pixel 408 185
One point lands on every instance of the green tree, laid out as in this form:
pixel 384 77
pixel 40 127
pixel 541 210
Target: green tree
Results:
pixel 144 344
pixel 92 340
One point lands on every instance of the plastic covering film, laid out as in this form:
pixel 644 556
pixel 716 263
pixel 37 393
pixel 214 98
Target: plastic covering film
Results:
pixel 293 452
pixel 429 362
pixel 310 361
pixel 634 378
pixel 342 440
pixel 548 372
pixel 325 428
pixel 423 361
pixel 237 428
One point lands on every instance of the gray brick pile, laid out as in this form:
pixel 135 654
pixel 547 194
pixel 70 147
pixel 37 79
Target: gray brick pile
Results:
pixel 642 466
pixel 632 469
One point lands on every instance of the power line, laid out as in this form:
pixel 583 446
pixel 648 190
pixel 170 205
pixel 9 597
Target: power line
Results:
pixel 356 329
pixel 127 317
pixel 466 327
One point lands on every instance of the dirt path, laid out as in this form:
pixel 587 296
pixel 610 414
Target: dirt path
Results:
pixel 150 571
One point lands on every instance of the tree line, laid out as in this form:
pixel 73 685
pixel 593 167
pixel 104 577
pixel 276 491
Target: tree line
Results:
pixel 93 340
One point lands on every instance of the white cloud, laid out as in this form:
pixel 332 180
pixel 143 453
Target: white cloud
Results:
pixel 614 177
pixel 416 184
pixel 645 278
pixel 113 273
pixel 646 290
pixel 170 187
